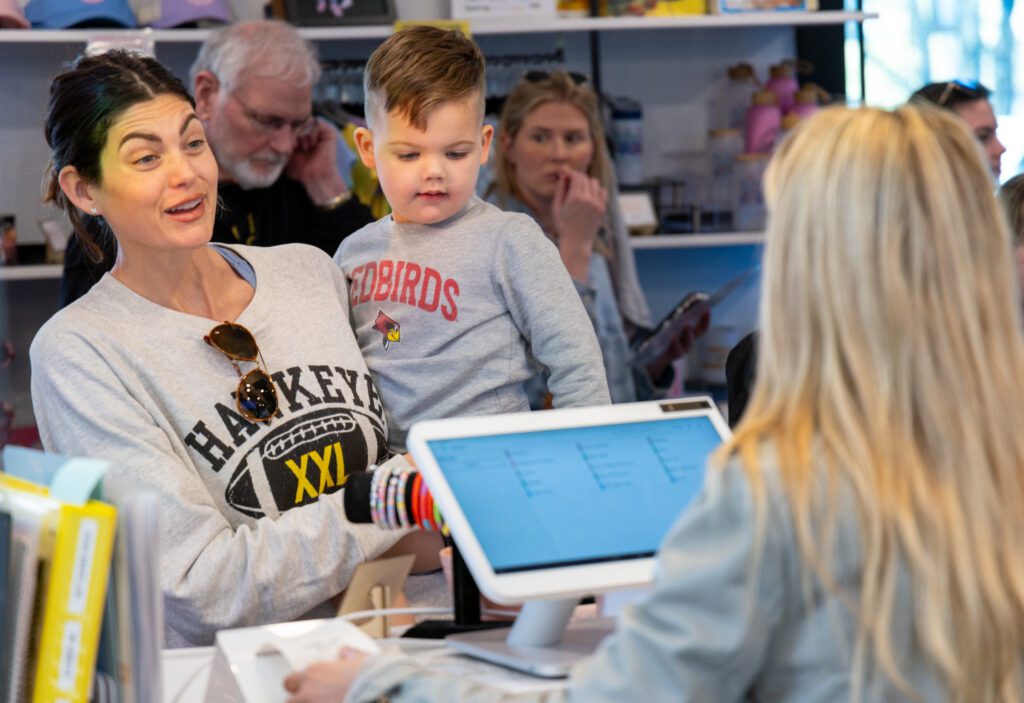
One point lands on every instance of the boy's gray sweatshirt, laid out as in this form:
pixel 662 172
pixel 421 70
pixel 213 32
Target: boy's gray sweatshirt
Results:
pixel 453 317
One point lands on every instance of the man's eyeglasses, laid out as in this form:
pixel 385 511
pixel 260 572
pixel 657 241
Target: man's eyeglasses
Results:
pixel 268 124
pixel 540 76
pixel 256 397
pixel 968 88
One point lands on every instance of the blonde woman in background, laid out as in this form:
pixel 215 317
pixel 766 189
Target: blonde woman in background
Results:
pixel 551 163
pixel 859 537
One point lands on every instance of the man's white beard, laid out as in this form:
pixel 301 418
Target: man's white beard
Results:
pixel 249 176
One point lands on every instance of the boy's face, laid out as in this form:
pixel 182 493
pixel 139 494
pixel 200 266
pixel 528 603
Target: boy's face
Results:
pixel 429 175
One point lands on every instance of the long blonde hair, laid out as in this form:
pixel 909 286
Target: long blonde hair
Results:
pixel 891 368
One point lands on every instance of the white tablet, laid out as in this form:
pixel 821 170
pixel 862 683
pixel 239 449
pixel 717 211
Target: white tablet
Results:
pixel 563 503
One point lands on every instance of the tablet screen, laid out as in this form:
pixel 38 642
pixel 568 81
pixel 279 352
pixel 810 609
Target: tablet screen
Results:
pixel 579 495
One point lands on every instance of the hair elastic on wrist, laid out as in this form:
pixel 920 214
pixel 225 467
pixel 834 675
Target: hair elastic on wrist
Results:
pixel 438 520
pixel 414 503
pixel 428 507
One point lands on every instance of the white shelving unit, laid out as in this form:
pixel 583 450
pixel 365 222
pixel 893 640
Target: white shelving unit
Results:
pixel 512 25
pixel 31 272
pixel 670 65
pixel 662 42
pixel 683 241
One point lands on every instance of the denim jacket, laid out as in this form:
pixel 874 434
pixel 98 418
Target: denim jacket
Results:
pixel 714 628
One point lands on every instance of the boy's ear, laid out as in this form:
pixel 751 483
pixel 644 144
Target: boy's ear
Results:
pixel 364 144
pixel 488 134
pixel 205 91
pixel 77 190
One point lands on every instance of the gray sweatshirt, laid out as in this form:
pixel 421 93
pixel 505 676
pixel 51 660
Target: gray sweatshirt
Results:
pixel 712 629
pixel 452 318
pixel 252 525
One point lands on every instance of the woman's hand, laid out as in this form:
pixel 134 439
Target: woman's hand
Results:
pixel 326 681
pixel 577 213
pixel 680 346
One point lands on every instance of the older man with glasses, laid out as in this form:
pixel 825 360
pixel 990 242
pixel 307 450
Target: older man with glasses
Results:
pixel 969 100
pixel 279 176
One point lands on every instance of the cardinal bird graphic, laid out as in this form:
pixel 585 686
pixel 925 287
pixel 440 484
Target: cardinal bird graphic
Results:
pixel 387 327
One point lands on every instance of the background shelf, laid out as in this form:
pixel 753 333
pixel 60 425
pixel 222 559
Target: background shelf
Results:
pixel 509 25
pixel 30 272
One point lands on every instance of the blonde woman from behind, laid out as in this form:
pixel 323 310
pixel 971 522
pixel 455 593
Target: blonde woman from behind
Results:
pixel 887 407
pixel 859 538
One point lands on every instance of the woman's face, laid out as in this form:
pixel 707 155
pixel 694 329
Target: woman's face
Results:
pixel 554 137
pixel 159 178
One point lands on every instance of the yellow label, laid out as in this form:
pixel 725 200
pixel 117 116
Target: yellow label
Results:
pixel 461 25
pixel 75 592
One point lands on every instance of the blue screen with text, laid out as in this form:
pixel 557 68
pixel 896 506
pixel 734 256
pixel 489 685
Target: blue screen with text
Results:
pixel 579 495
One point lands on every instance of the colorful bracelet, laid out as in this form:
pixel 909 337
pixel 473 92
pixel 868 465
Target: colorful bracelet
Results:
pixel 380 497
pixel 428 502
pixel 400 506
pixel 373 492
pixel 392 517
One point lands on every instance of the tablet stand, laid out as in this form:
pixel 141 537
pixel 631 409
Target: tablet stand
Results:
pixel 466 601
pixel 541 642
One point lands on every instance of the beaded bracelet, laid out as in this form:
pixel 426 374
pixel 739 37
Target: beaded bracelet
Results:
pixel 380 496
pixel 374 480
pixel 400 507
pixel 392 518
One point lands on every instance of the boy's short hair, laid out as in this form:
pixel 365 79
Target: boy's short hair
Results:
pixel 418 69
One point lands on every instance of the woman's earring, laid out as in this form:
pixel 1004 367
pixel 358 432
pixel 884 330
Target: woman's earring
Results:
pixel 95 212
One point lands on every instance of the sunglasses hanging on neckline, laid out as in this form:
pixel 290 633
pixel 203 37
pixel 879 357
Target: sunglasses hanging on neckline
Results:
pixel 255 396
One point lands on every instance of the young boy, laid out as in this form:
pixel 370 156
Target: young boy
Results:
pixel 455 303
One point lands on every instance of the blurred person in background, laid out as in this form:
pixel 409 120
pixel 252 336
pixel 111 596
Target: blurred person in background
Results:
pixel 552 163
pixel 969 101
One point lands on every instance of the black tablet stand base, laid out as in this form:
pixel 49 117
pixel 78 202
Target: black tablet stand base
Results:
pixel 439 629
pixel 466 599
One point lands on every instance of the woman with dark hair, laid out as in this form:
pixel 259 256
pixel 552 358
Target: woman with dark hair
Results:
pixel 199 371
pixel 969 100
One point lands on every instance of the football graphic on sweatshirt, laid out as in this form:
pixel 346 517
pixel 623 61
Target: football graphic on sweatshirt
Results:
pixel 304 457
